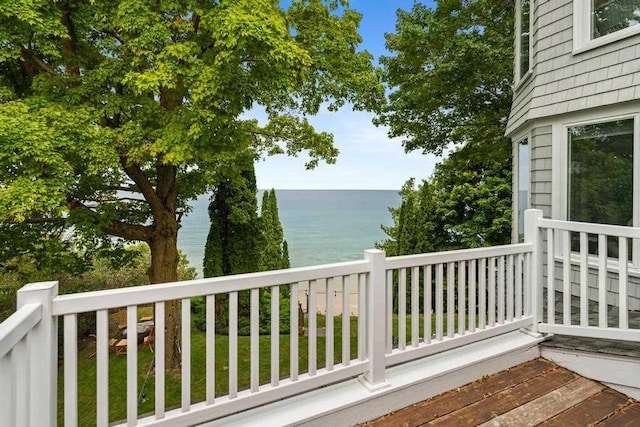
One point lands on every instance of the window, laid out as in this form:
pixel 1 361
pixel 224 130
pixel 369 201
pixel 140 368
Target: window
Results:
pixel 598 22
pixel 522 184
pixel 523 39
pixel 600 176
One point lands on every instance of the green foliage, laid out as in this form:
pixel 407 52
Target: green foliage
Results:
pixel 272 253
pixel 452 74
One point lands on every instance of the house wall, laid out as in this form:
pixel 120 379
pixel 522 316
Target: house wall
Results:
pixel 563 82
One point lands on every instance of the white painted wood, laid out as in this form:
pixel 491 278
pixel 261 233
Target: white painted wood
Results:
pixel 275 336
pixel 329 318
pixel 20 360
pixel 233 345
pixel 584 277
pixel 137 295
pixel 132 365
pixel 43 369
pixel 71 370
pixel 102 368
pixel 566 278
pixel 439 301
pixel 591 228
pixel 501 290
pixel 592 332
pixel 602 281
pixel 451 289
pixel 313 329
pixel 510 288
pixel 17 326
pixel 389 311
pixel 527 289
pixel 492 292
pixel 362 316
pixel 462 281
pixel 346 321
pixel 518 291
pixel 473 268
pixel 427 289
pixel 254 323
pixel 415 306
pixel 293 336
pixel 402 309
pixel 406 261
pixel 376 307
pixel 159 322
pixel 7 387
pixel 551 294
pixel 622 283
pixel 186 354
pixel 482 289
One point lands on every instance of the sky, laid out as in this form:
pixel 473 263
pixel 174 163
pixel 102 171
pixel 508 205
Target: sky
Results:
pixel 368 158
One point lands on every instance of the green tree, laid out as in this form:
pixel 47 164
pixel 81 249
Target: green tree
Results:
pixel 451 74
pixel 113 115
pixel 272 254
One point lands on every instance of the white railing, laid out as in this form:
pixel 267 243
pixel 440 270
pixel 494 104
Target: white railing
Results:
pixel 587 262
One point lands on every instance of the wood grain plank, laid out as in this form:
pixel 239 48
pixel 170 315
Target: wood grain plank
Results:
pixel 628 417
pixel 592 410
pixel 548 405
pixel 453 400
pixel 508 399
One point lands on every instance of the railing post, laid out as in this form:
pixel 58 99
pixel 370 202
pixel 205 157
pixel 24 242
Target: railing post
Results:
pixel 533 235
pixel 375 378
pixel 43 363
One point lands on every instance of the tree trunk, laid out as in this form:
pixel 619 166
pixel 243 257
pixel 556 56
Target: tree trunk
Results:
pixel 163 269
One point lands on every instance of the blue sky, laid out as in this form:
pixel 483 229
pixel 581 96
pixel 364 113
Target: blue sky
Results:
pixel 368 158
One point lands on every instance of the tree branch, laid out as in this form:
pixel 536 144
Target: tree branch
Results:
pixel 115 227
pixel 142 182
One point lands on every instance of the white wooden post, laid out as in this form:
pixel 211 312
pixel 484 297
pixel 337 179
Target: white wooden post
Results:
pixel 375 379
pixel 532 234
pixel 43 368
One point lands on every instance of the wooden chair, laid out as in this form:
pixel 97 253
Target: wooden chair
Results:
pixel 150 339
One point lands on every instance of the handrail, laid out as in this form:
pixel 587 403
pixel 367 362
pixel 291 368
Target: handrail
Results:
pixel 591 228
pixel 113 298
pixel 406 261
pixel 17 326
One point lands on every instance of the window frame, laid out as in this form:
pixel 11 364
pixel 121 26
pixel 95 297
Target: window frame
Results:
pixel 560 175
pixel 582 40
pixel 519 77
pixel 515 203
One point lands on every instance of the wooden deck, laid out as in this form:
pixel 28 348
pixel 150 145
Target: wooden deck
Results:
pixel 533 393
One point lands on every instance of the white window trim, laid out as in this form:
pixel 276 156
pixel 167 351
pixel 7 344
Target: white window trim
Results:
pixel 560 148
pixel 519 81
pixel 515 178
pixel 582 41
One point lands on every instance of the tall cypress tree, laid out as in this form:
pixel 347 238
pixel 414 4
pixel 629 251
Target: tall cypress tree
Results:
pixel 272 256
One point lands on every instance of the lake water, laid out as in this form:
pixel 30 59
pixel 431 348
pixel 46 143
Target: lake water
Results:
pixel 321 226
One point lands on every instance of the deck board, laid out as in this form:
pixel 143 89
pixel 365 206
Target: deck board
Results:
pixel 537 392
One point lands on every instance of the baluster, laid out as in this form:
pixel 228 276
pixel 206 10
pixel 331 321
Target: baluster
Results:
pixel 275 336
pixel 566 278
pixel 602 281
pixel 415 306
pixel 328 336
pixel 526 298
pixel 7 404
pixel 462 266
pixel 451 289
pixel 510 288
pixel 20 367
pixel 313 329
pixel 102 367
pixel 233 345
pixel 362 321
pixel 472 295
pixel 519 265
pixel 71 370
pixel 426 289
pixel 402 309
pixel 158 325
pixel 501 289
pixel 439 301
pixel 622 283
pixel 389 311
pixel 551 272
pixel 346 322
pixel 482 290
pixel 293 336
pixel 186 354
pixel 211 348
pixel 132 365
pixel 492 291
pixel 584 272
pixel 254 326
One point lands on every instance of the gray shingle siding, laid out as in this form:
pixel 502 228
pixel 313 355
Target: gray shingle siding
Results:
pixel 541 169
pixel 563 82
